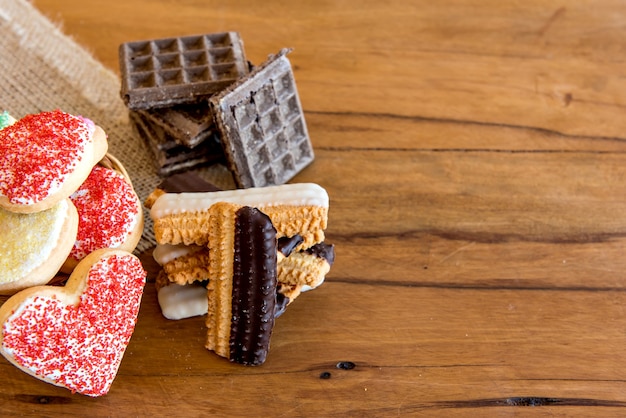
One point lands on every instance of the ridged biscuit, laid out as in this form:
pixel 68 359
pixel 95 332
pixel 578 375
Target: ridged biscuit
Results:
pixel 295 209
pixel 189 268
pixel 296 273
pixel 219 290
pixel 242 285
pixel 289 292
pixel 302 269
pixel 188 264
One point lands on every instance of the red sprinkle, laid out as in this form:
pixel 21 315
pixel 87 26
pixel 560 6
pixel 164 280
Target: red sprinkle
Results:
pixel 80 347
pixel 107 209
pixel 38 152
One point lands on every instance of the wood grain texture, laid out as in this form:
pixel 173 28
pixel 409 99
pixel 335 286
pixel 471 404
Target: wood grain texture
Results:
pixel 475 157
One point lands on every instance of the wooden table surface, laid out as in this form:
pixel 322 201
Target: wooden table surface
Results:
pixel 475 157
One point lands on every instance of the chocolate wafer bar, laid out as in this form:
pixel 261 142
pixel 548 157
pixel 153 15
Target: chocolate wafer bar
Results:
pixel 171 157
pixel 262 126
pixel 169 71
pixel 187 125
pixel 242 285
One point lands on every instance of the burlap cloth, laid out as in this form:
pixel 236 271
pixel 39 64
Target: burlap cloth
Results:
pixel 42 69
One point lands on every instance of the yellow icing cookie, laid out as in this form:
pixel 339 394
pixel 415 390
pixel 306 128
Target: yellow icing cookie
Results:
pixel 35 245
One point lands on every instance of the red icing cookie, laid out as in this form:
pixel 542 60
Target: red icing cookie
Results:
pixel 75 336
pixel 45 157
pixel 110 215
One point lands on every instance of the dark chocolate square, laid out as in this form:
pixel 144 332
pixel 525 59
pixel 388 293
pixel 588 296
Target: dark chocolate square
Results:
pixel 262 126
pixel 164 72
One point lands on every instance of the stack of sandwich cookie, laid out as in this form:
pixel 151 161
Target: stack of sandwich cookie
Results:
pixel 65 205
pixel 202 244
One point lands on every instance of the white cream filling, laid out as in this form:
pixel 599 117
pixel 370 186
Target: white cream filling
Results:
pixel 306 287
pixel 164 253
pixel 179 302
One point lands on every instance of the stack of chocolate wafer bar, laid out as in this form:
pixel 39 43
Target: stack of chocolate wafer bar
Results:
pixel 196 100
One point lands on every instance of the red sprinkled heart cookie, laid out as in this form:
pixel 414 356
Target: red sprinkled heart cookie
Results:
pixel 45 157
pixel 75 336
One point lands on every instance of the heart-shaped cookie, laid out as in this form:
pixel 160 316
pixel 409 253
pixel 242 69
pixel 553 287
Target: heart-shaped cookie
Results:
pixel 75 336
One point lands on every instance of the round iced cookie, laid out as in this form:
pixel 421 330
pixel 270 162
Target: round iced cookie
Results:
pixel 110 215
pixel 35 245
pixel 45 157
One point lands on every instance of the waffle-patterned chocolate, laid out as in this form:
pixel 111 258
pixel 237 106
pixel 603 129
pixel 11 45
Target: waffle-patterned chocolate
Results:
pixel 168 71
pixel 262 126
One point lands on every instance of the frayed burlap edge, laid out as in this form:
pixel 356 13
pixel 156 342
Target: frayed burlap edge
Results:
pixel 43 69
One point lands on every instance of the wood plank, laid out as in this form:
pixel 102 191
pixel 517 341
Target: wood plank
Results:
pixel 475 156
pixel 345 131
pixel 545 66
pixel 423 349
pixel 487 196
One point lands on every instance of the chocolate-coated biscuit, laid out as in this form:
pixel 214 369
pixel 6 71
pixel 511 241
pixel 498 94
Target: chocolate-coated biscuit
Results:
pixel 242 285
